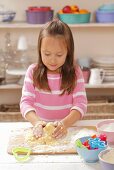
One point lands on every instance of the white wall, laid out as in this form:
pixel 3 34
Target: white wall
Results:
pixel 21 5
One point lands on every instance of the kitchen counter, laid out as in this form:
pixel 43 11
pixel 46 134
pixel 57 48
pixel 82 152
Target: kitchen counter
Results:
pixel 43 162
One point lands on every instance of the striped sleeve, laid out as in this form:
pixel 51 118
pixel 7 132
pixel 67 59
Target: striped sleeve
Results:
pixel 28 92
pixel 79 94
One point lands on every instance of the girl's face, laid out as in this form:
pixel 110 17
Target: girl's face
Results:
pixel 53 53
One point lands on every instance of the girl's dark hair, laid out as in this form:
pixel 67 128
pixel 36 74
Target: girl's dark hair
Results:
pixel 68 75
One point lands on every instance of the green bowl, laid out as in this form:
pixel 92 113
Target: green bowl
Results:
pixel 75 18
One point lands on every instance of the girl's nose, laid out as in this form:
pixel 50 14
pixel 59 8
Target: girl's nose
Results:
pixel 52 60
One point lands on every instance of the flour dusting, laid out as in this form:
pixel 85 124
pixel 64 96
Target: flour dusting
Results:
pixel 63 144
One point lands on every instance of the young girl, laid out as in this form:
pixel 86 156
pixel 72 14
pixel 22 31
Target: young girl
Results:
pixel 53 88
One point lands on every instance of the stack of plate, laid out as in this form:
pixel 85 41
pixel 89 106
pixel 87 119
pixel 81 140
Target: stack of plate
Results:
pixel 106 63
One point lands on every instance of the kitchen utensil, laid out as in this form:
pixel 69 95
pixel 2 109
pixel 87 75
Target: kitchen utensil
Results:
pixel 21 150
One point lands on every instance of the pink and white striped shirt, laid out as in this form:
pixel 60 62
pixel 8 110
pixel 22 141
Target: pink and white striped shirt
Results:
pixel 50 106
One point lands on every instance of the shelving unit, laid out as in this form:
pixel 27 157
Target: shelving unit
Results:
pixel 87 86
pixel 14 90
pixel 10 87
pixel 103 86
pixel 26 25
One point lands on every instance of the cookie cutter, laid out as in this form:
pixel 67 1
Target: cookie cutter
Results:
pixel 21 154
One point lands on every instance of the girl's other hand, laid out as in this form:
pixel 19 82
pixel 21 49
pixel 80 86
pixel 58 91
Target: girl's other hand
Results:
pixel 38 129
pixel 60 130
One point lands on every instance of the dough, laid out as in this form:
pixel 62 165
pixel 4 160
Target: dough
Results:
pixel 46 138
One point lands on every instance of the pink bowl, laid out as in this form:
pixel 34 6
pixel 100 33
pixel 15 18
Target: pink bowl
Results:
pixel 109 134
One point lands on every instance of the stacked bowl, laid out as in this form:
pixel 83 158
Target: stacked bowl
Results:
pixel 105 14
pixel 39 15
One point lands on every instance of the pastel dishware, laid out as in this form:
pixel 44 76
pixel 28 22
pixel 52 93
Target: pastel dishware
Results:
pixel 108 6
pixel 88 155
pixel 74 18
pixel 96 76
pixel 105 16
pixel 106 158
pixel 39 15
pixel 107 127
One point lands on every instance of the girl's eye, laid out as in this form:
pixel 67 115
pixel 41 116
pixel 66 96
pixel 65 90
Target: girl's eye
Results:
pixel 47 54
pixel 59 55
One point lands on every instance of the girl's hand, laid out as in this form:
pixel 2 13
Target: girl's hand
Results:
pixel 60 130
pixel 38 129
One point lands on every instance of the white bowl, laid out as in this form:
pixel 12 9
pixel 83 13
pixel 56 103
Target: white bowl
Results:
pixel 106 158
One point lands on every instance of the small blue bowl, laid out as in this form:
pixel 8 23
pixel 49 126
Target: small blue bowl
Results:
pixel 105 16
pixel 90 156
pixel 108 6
pixel 8 16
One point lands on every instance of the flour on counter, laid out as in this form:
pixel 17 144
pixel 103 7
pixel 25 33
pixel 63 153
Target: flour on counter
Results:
pixel 18 138
pixel 107 127
pixel 109 156
pixel 66 143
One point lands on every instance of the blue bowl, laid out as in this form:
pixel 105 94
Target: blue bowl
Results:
pixel 7 16
pixel 104 16
pixel 90 156
pixel 105 7
pixel 75 18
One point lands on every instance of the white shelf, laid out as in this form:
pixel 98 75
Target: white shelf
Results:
pixel 17 86
pixel 18 24
pixel 23 24
pixel 103 85
pixel 10 86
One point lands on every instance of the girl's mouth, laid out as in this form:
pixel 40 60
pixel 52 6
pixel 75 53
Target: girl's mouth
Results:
pixel 53 65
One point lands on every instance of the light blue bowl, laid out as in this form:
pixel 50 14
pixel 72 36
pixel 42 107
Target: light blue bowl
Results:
pixel 90 156
pixel 107 7
pixel 75 18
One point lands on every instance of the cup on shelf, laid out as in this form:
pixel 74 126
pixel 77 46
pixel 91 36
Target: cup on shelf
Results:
pixel 96 76
pixel 22 43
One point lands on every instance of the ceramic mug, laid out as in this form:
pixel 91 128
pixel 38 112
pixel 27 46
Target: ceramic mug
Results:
pixel 96 76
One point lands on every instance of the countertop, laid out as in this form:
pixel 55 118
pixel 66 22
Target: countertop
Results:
pixel 43 162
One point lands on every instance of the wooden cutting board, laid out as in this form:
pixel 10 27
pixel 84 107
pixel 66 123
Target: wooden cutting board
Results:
pixel 17 139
